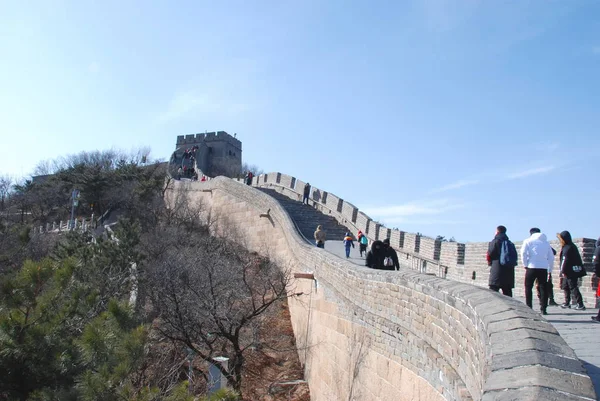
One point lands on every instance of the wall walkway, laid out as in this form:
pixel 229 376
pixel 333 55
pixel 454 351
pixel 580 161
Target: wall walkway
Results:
pixel 464 262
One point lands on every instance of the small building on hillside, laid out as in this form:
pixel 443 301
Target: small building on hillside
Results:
pixel 211 154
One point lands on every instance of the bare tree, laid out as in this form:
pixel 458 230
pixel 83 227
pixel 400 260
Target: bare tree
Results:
pixel 210 297
pixel 6 183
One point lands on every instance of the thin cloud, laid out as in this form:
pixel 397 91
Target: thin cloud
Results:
pixel 399 213
pixel 596 50
pixel 548 147
pixel 455 185
pixel 94 68
pixel 185 103
pixel 530 172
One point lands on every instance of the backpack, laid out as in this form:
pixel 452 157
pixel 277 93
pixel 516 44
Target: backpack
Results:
pixel 508 253
pixel 388 262
pixel 364 240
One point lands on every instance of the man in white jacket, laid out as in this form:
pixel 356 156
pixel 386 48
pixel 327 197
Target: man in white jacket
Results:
pixel 538 259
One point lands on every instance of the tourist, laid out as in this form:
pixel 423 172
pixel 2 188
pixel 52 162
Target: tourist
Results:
pixel 538 259
pixel 390 256
pixel 249 177
pixel 571 270
pixel 320 237
pixel 376 257
pixel 348 241
pixel 502 275
pixel 363 241
pixel 306 193
pixel 596 263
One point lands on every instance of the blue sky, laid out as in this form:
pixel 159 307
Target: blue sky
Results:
pixel 441 117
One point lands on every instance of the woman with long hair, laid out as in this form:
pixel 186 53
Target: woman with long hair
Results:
pixel 571 269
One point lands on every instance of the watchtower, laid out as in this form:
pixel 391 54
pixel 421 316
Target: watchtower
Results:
pixel 217 153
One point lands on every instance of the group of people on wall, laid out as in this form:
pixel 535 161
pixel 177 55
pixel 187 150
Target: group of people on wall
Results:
pixel 536 257
pixel 381 255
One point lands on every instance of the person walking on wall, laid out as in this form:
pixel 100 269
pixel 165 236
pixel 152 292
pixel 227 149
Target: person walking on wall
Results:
pixel 348 242
pixel 320 237
pixel 538 259
pixel 375 256
pixel 390 256
pixel 502 259
pixel 306 193
pixel 596 263
pixel 571 270
pixel 249 177
pixel 363 241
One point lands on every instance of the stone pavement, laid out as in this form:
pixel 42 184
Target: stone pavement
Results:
pixel 579 331
pixel 575 327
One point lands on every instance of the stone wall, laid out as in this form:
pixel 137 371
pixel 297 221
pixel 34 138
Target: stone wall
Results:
pixel 377 335
pixel 457 261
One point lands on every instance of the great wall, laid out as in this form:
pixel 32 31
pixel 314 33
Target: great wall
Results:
pixel 428 332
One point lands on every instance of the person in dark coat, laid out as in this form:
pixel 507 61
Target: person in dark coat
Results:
pixel 306 193
pixel 570 258
pixel 391 253
pixel 596 263
pixel 501 276
pixel 375 256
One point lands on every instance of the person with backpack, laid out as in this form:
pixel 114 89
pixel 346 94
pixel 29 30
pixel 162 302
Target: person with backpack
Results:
pixel 538 259
pixel 596 263
pixel 571 270
pixel 390 257
pixel 502 259
pixel 363 241
pixel 348 241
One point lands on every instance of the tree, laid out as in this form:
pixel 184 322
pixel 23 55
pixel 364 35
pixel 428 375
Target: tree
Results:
pixel 210 298
pixel 6 183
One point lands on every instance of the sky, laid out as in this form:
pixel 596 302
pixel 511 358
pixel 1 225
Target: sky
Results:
pixel 444 117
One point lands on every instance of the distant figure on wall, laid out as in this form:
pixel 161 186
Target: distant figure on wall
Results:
pixel 348 242
pixel 363 241
pixel 320 237
pixel 502 262
pixel 538 259
pixel 249 177
pixel 203 178
pixel 306 193
pixel 571 270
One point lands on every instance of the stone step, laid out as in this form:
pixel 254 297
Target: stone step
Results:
pixel 307 218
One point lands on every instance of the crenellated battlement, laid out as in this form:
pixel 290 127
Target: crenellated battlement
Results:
pixel 219 136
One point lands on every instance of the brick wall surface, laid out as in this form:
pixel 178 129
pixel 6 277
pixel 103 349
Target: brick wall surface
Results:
pixel 376 335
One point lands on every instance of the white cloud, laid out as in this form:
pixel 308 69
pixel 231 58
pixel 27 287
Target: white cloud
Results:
pixel 530 172
pixel 94 67
pixel 399 213
pixel 455 185
pixel 185 103
pixel 226 89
